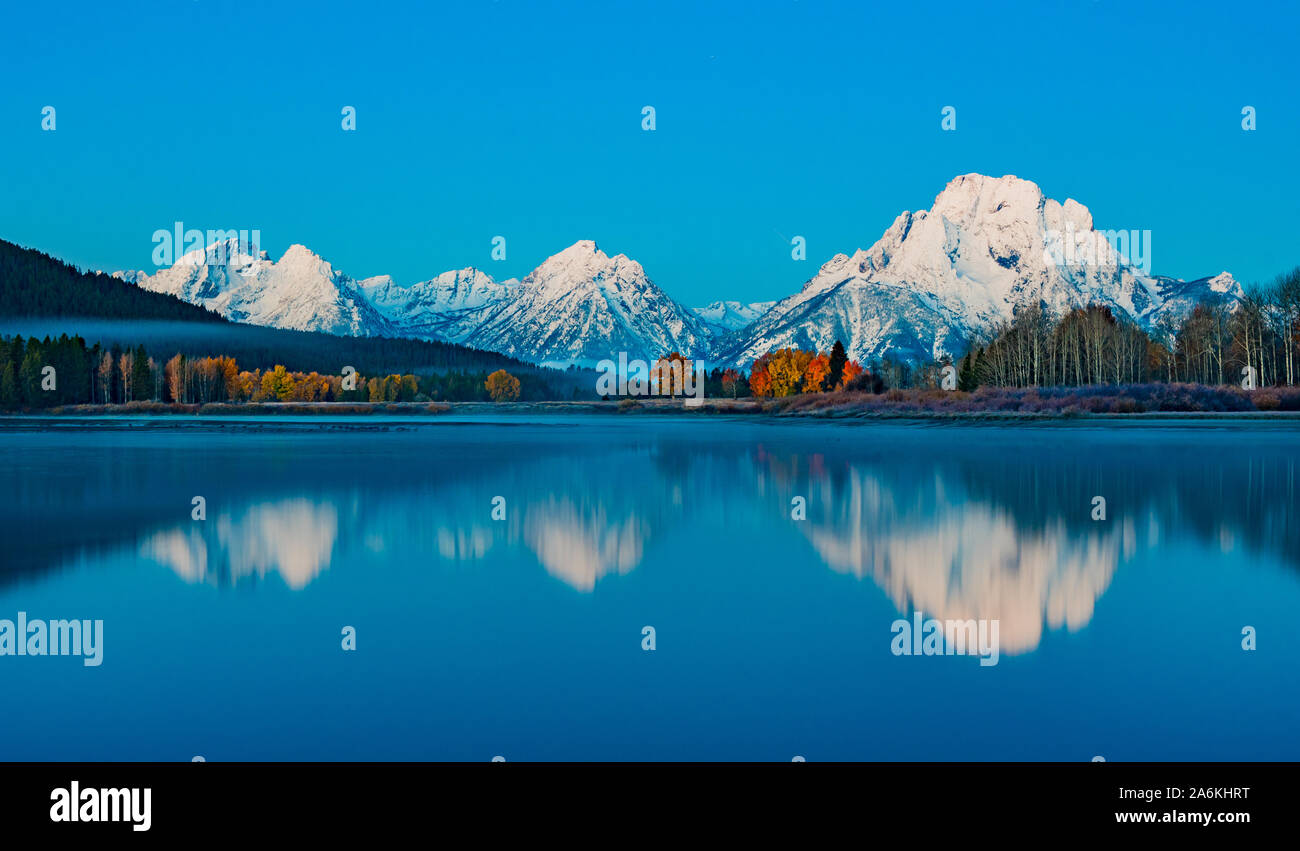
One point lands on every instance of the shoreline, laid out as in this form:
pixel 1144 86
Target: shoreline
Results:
pixel 793 408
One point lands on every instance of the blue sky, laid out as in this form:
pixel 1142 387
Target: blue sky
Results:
pixel 519 119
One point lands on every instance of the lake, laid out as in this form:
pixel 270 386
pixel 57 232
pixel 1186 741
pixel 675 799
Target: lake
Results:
pixel 497 576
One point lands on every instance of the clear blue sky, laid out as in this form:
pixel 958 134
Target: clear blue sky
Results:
pixel 523 119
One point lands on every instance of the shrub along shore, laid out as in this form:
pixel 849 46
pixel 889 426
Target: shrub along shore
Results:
pixel 984 402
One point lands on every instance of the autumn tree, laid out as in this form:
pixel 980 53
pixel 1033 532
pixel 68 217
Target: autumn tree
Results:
pixel 865 381
pixel 729 379
pixel 668 374
pixel 760 381
pixel 816 374
pixel 392 387
pixel 502 386
pixel 277 384
pixel 126 369
pixel 104 373
pixel 228 373
pixel 852 369
pixel 786 369
pixel 245 387
pixel 409 386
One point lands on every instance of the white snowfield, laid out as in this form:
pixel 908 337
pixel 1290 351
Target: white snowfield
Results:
pixel 724 317
pixel 934 281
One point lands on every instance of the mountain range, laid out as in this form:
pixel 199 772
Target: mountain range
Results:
pixel 933 282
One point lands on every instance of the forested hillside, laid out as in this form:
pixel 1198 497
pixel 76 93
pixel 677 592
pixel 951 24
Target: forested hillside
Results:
pixel 33 283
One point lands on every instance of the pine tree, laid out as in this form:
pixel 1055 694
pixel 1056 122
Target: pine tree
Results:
pixel 8 386
pixel 29 374
pixel 966 377
pixel 142 379
pixel 977 369
pixel 116 380
pixel 838 359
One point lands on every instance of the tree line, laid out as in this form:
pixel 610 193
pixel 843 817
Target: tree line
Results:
pixel 1255 339
pixel 790 371
pixel 65 371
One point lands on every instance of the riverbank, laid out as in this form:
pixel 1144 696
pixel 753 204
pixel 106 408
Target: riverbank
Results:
pixel 1015 403
pixel 984 403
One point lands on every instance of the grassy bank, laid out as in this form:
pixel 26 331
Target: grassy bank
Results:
pixel 986 402
pixel 1050 401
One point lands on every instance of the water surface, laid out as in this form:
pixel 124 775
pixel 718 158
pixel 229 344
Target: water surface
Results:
pixel 522 637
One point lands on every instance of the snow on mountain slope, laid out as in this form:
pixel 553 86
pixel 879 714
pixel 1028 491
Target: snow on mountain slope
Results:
pixel 449 307
pixel 939 277
pixel 724 317
pixel 301 291
pixel 579 306
pixel 1178 297
pixel 582 306
pixel 933 282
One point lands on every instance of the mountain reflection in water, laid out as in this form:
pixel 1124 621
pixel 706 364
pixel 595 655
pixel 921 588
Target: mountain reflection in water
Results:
pixel 954 530
pixel 771 557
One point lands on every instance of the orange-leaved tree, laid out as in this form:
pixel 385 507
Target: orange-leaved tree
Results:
pixel 852 369
pixel 816 374
pixel 669 373
pixel 760 382
pixel 502 386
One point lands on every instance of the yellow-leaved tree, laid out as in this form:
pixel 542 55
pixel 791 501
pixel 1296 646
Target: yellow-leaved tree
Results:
pixel 786 368
pixel 277 384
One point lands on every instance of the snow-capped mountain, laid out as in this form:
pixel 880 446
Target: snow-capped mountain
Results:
pixel 300 291
pixel 449 307
pixel 938 278
pixel 1178 297
pixel 582 306
pixel 723 317
pixel 579 306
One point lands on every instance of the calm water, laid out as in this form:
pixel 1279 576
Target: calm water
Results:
pixel 522 637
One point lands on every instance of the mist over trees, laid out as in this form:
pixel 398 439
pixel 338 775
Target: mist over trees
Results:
pixel 155 347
